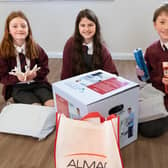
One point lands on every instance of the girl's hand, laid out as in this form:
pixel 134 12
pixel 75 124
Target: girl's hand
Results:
pixel 139 72
pixel 30 75
pixel 165 81
pixel 21 77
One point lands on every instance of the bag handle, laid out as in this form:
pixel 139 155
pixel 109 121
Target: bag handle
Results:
pixel 58 117
pixel 93 114
pixel 96 114
pixel 111 116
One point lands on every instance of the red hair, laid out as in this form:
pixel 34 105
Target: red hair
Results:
pixel 7 49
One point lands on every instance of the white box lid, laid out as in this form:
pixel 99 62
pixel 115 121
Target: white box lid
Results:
pixel 92 87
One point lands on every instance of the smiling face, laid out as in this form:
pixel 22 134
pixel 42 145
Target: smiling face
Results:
pixel 18 29
pixel 87 29
pixel 161 26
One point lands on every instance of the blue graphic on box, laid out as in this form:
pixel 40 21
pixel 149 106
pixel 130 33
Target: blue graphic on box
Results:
pixel 82 82
pixel 76 86
pixel 141 63
pixel 92 78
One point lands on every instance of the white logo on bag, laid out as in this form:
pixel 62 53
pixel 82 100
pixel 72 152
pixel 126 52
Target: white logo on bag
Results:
pixel 76 163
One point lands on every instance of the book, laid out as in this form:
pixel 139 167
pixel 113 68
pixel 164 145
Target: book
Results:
pixel 141 63
pixel 165 73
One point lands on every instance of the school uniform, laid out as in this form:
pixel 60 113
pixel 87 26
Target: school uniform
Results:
pixel 20 91
pixel 68 53
pixel 155 54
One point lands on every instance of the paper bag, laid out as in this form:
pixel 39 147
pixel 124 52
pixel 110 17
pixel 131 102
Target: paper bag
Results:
pixel 30 120
pixel 87 143
pixel 151 104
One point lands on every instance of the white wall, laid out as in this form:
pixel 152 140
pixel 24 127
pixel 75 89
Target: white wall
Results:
pixel 126 24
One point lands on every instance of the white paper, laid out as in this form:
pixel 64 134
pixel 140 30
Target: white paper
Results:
pixel 151 103
pixel 31 120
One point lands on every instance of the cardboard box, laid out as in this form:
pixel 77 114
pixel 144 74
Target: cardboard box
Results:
pixel 103 92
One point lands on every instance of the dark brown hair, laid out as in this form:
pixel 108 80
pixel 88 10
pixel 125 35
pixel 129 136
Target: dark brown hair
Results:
pixel 7 49
pixel 77 61
pixel 158 11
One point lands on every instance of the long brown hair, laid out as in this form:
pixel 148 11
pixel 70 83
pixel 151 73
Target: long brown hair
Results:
pixel 78 66
pixel 7 49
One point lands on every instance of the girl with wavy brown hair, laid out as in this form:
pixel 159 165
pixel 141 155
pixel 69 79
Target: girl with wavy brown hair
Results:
pixel 85 51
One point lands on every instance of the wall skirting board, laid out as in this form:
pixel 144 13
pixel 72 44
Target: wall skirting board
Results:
pixel 116 56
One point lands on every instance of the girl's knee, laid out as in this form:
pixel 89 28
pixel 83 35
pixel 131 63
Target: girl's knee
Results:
pixel 38 104
pixel 49 103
